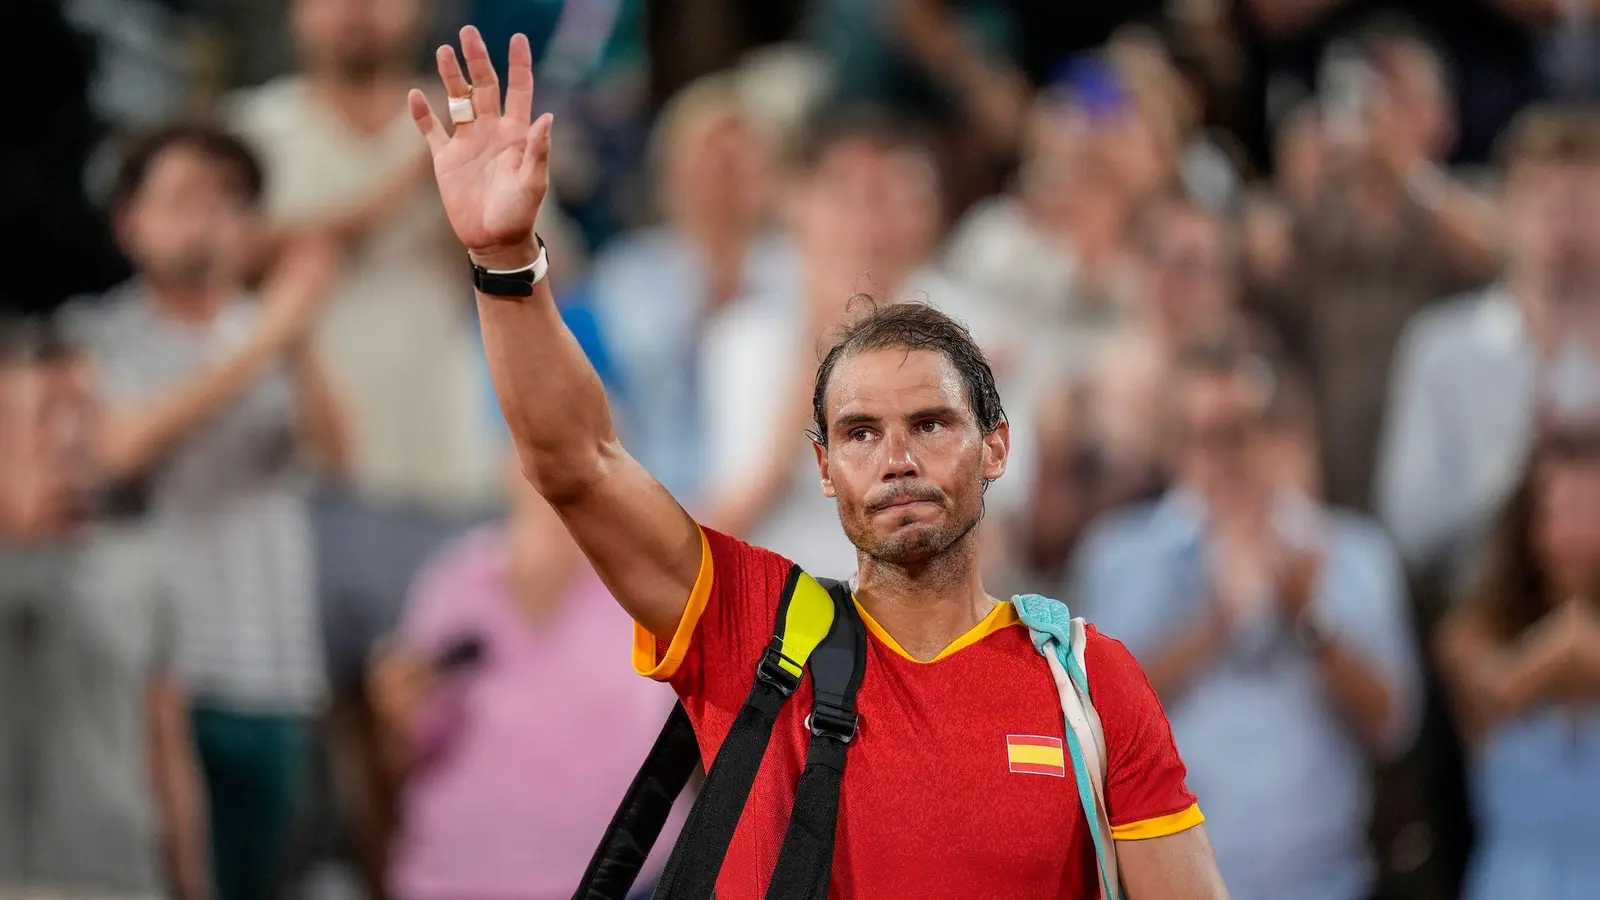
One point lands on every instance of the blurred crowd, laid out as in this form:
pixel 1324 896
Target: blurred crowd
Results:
pixel 1294 306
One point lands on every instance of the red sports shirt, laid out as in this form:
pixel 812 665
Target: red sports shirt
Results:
pixel 955 785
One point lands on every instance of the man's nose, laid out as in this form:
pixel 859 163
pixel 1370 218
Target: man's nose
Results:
pixel 899 461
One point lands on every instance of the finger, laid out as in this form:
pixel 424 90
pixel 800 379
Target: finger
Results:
pixel 519 81
pixel 536 157
pixel 485 84
pixel 455 83
pixel 427 123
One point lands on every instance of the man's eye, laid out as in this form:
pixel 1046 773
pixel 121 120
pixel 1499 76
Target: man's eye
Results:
pixel 860 434
pixel 929 426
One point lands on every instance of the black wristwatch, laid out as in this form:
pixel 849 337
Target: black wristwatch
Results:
pixel 512 282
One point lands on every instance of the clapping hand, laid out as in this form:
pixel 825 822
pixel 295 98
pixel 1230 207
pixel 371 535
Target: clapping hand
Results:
pixel 493 171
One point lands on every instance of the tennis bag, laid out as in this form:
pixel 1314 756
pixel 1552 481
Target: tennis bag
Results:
pixel 816 628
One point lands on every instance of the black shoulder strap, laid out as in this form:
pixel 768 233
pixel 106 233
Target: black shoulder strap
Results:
pixel 643 813
pixel 806 613
pixel 696 860
pixel 805 862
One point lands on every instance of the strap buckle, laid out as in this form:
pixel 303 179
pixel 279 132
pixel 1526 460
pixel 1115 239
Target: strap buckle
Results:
pixel 828 720
pixel 770 670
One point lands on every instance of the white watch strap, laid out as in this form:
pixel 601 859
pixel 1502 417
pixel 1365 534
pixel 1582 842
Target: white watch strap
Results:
pixel 539 267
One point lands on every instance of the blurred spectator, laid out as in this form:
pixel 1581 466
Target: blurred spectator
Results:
pixel 211 400
pixel 343 158
pixel 101 795
pixel 865 212
pixel 1052 251
pixel 654 289
pixel 1522 657
pixel 1466 387
pixel 515 728
pixel 1387 234
pixel 1273 627
pixel 1101 436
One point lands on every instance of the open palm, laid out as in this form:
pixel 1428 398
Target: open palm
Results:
pixel 494 171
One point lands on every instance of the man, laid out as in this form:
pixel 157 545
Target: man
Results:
pixel 655 289
pixel 215 401
pixel 864 213
pixel 1388 233
pixel 1101 442
pixel 1273 628
pixel 909 431
pixel 1470 374
pixel 101 796
pixel 340 158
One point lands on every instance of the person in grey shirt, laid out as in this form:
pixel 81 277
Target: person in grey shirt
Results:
pixel 99 791
pixel 216 403
pixel 1472 375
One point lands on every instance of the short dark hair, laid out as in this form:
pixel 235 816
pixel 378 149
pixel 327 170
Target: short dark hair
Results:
pixel 1546 133
pixel 212 142
pixel 911 326
pixel 1248 349
pixel 26 340
pixel 826 127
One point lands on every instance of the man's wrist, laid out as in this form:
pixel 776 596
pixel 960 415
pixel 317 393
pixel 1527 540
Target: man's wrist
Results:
pixel 508 258
pixel 1312 632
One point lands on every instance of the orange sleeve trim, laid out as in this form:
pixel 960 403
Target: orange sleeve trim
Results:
pixel 1160 826
pixel 645 646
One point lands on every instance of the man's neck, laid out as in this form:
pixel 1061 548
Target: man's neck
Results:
pixel 1538 312
pixel 368 105
pixel 925 609
pixel 190 305
pixel 725 246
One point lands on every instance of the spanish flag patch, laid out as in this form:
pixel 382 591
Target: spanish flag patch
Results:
pixel 1032 754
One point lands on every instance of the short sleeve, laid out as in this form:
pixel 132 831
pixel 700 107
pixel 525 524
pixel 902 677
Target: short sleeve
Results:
pixel 1145 791
pixel 725 626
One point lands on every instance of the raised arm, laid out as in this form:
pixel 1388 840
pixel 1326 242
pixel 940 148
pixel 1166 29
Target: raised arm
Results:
pixel 493 173
pixel 137 437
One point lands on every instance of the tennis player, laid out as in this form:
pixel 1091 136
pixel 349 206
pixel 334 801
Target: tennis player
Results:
pixel 956 785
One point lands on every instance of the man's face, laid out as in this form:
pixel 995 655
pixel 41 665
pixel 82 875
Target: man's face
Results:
pixel 719 172
pixel 1220 434
pixel 1542 216
pixel 354 38
pixel 190 223
pixel 1188 271
pixel 48 420
pixel 870 209
pixel 905 459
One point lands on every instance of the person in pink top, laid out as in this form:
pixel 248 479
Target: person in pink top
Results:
pixel 511 707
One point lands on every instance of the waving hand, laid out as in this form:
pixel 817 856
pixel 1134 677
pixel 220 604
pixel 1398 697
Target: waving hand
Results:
pixel 494 171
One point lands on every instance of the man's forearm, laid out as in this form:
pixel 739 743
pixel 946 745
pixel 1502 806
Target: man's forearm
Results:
pixel 178 791
pixel 1171 671
pixel 1360 694
pixel 135 438
pixel 552 398
pixel 324 428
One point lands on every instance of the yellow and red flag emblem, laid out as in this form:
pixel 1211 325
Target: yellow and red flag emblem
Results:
pixel 1034 754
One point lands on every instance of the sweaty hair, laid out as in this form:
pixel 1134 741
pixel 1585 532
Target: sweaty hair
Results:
pixel 912 326
pixel 213 143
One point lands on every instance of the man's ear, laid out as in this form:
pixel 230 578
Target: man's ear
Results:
pixel 822 468
pixel 996 451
